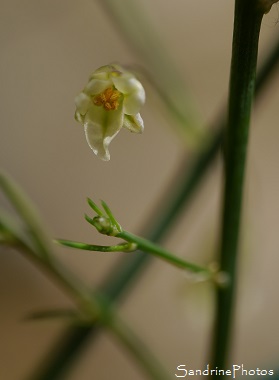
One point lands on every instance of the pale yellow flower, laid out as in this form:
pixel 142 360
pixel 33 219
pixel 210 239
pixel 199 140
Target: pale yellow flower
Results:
pixel 111 100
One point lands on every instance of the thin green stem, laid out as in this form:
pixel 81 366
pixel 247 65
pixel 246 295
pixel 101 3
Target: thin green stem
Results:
pixel 242 82
pixel 94 207
pixel 147 246
pixel 87 301
pixel 138 350
pixel 28 213
pixel 123 247
pixel 141 244
pixel 111 216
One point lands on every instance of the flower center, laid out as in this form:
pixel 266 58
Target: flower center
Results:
pixel 108 99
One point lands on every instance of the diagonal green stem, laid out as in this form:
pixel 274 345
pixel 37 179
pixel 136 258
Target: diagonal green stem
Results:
pixel 29 214
pixel 138 350
pixel 154 249
pixel 242 82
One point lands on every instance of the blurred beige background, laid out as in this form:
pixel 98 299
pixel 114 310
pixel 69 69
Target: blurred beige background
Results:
pixel 48 49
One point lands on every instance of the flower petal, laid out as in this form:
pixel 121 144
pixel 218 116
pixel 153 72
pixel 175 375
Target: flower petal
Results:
pixel 99 75
pixel 101 126
pixel 133 102
pixel 104 72
pixel 96 86
pixel 134 94
pixel 133 123
pixel 79 118
pixel 82 103
pixel 127 83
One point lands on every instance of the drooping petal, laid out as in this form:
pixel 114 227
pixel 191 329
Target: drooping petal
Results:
pixel 96 86
pixel 101 126
pixel 133 123
pixel 82 102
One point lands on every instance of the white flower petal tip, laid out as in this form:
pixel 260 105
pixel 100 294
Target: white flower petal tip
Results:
pixel 110 100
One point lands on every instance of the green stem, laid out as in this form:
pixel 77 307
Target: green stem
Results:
pixel 147 246
pixel 87 301
pixel 242 82
pixel 124 247
pixel 138 350
pixel 142 244
pixel 28 214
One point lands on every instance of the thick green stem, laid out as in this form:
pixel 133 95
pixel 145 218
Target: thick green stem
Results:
pixel 242 82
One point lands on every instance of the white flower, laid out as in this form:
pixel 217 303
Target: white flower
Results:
pixel 111 100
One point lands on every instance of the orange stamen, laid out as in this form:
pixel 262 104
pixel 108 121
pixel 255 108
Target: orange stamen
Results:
pixel 108 99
